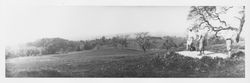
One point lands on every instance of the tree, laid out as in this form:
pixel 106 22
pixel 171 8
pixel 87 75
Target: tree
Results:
pixel 123 40
pixel 103 40
pixel 205 15
pixel 142 39
pixel 88 45
pixel 114 42
pixel 55 45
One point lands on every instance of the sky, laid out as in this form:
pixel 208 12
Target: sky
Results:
pixel 28 23
pixel 34 20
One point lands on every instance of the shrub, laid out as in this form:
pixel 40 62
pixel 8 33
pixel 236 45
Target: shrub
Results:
pixel 89 45
pixel 173 43
pixel 168 44
pixel 173 62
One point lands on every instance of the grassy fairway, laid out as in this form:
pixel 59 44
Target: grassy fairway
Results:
pixel 85 63
pixel 122 63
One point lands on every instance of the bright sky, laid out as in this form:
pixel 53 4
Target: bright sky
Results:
pixel 28 23
pixel 29 20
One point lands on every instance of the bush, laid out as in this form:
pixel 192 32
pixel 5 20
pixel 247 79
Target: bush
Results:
pixel 173 43
pixel 168 44
pixel 173 62
pixel 88 45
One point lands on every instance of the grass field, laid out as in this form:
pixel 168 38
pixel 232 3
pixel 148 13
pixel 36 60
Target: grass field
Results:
pixel 123 63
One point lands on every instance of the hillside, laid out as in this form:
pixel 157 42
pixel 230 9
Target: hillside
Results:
pixel 123 63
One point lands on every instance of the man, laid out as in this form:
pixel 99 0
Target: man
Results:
pixel 192 36
pixel 230 37
pixel 202 39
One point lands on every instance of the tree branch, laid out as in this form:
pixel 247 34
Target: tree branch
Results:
pixel 215 29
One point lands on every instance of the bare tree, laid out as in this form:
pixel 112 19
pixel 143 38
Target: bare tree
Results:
pixel 114 42
pixel 123 40
pixel 142 40
pixel 205 15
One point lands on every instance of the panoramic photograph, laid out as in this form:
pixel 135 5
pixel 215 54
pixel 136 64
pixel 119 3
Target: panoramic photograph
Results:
pixel 125 41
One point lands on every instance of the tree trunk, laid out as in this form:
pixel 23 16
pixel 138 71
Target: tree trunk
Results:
pixel 144 49
pixel 242 21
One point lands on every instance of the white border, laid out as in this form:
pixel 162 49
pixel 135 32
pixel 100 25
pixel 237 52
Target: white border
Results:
pixel 124 2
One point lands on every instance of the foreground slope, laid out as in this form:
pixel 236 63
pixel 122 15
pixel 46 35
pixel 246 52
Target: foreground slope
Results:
pixel 123 63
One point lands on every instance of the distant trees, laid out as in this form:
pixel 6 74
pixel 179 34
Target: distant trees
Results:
pixel 100 41
pixel 123 40
pixel 88 45
pixel 55 45
pixel 58 45
pixel 114 42
pixel 46 46
pixel 143 40
pixel 120 41
pixel 23 51
pixel 173 43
